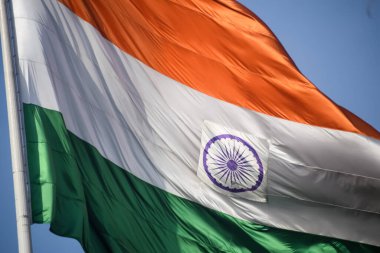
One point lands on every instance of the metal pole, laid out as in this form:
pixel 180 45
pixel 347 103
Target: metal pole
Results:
pixel 19 167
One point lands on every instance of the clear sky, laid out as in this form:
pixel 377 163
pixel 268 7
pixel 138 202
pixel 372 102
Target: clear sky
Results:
pixel 335 43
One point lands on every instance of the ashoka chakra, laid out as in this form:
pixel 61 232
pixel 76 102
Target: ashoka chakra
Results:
pixel 232 163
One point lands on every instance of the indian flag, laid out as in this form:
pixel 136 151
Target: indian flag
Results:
pixel 184 126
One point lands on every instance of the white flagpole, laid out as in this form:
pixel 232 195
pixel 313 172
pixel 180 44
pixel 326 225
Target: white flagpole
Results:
pixel 19 167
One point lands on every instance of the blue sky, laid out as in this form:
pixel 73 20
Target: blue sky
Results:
pixel 336 44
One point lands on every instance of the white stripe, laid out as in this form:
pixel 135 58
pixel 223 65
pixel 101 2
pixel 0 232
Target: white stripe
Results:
pixel 320 181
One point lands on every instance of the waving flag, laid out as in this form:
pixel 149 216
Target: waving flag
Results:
pixel 184 126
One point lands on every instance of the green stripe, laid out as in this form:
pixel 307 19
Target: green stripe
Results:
pixel 85 196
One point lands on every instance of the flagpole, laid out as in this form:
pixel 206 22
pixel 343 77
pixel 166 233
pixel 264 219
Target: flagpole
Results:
pixel 19 167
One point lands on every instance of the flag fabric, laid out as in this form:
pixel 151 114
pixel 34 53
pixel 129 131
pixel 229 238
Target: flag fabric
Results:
pixel 184 126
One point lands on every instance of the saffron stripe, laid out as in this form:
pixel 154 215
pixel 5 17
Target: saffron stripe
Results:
pixel 221 49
